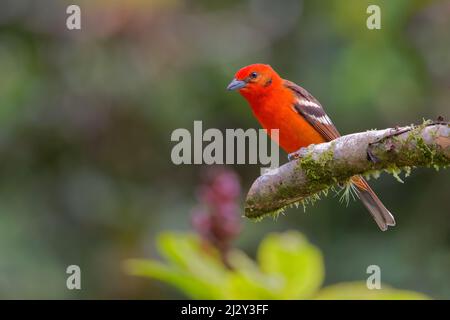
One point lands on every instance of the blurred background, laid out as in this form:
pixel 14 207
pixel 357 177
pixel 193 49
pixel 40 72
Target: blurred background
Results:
pixel 86 118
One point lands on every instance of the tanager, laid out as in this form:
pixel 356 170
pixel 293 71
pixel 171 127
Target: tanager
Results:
pixel 301 120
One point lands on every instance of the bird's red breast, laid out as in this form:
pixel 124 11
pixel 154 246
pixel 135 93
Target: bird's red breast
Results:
pixel 277 111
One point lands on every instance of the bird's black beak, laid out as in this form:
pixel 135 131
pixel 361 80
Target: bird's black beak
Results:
pixel 236 84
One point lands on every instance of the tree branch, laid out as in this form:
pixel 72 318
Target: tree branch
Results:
pixel 324 165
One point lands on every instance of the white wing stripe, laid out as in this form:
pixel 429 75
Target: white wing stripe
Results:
pixel 309 103
pixel 322 119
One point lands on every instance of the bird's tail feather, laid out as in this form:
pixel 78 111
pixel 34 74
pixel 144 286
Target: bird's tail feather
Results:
pixel 380 214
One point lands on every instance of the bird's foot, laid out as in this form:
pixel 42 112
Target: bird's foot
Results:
pixel 297 154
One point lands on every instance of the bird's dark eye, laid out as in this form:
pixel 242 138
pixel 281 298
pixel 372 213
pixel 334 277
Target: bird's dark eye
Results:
pixel 253 75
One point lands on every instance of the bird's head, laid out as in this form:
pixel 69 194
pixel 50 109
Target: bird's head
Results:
pixel 255 80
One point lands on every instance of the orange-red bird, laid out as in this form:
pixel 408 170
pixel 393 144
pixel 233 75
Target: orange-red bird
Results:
pixel 281 104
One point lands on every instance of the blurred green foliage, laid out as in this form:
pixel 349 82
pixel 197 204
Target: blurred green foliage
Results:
pixel 86 118
pixel 287 267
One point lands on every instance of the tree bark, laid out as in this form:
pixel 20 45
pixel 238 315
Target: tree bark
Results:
pixel 325 165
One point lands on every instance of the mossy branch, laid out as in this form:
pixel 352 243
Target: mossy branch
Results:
pixel 322 166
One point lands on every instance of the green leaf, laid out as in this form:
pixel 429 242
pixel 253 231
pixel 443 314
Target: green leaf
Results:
pixel 294 262
pixel 191 285
pixel 244 287
pixel 359 291
pixel 187 252
pixel 192 267
pixel 289 268
pixel 247 281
